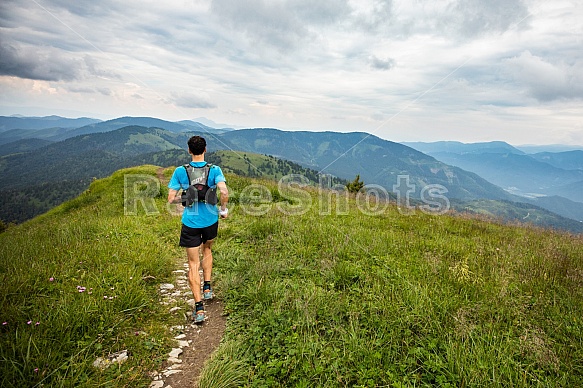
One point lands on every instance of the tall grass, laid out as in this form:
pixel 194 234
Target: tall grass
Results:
pixel 395 300
pixel 81 282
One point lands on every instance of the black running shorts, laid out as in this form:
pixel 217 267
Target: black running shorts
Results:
pixel 193 237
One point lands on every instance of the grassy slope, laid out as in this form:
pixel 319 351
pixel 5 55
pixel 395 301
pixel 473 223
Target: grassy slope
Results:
pixel 85 242
pixel 313 299
pixel 391 300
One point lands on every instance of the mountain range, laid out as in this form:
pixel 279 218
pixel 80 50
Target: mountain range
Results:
pixel 532 176
pixel 98 148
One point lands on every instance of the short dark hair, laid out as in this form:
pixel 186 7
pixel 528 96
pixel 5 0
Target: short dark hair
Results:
pixel 197 145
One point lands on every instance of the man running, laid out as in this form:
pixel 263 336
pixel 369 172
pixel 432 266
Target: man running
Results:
pixel 200 222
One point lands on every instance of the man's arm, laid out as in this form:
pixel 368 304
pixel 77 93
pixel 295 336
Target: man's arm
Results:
pixel 173 196
pixel 224 197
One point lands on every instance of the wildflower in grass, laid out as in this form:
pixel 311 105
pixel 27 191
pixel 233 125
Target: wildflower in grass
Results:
pixel 51 279
pixel 35 370
pixel 4 323
pixel 36 324
pixel 104 296
pixel 29 322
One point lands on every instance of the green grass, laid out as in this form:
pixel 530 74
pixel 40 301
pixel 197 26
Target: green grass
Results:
pixel 394 300
pixel 119 260
pixel 312 299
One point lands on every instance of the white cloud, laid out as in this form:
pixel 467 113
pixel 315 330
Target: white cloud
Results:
pixel 547 81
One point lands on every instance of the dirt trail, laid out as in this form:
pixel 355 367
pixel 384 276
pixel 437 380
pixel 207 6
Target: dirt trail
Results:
pixel 194 342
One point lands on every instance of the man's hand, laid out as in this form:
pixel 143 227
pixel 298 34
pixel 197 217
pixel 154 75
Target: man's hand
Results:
pixel 223 211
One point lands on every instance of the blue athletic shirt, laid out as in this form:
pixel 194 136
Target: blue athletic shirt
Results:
pixel 199 215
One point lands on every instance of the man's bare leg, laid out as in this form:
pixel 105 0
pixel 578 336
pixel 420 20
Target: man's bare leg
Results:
pixel 193 276
pixel 207 260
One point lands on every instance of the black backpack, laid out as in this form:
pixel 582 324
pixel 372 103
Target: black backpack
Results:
pixel 198 189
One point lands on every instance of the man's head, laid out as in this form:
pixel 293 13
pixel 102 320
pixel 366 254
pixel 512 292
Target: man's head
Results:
pixel 197 145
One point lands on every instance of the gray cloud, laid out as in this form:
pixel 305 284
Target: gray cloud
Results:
pixel 89 90
pixel 88 8
pixel 104 91
pixel 471 18
pixel 283 24
pixel 381 64
pixel 76 89
pixel 378 18
pixel 544 80
pixel 47 64
pixel 192 101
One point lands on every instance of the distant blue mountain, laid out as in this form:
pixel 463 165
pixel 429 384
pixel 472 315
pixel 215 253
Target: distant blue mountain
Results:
pixel 200 127
pixel 456 147
pixel 568 160
pixel 535 149
pixel 146 122
pixel 11 122
pixel 572 191
pixel 557 176
pixel 521 172
pixel 563 206
pixel 88 126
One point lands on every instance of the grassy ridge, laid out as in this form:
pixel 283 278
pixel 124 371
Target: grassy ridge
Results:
pixel 81 282
pixel 314 299
pixel 394 300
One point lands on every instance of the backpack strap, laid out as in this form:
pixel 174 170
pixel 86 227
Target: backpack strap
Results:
pixel 187 172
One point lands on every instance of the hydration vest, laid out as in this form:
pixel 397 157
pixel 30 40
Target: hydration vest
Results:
pixel 198 189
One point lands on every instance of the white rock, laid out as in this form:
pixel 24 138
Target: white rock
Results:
pixel 121 356
pixel 114 358
pixel 191 302
pixel 171 372
pixel 175 360
pixel 176 352
pixel 174 309
pixel 157 384
pixel 101 363
pixel 167 286
pixel 180 336
pixel 183 344
pixel 179 271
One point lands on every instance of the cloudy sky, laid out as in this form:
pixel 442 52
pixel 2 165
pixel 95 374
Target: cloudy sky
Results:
pixel 423 70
